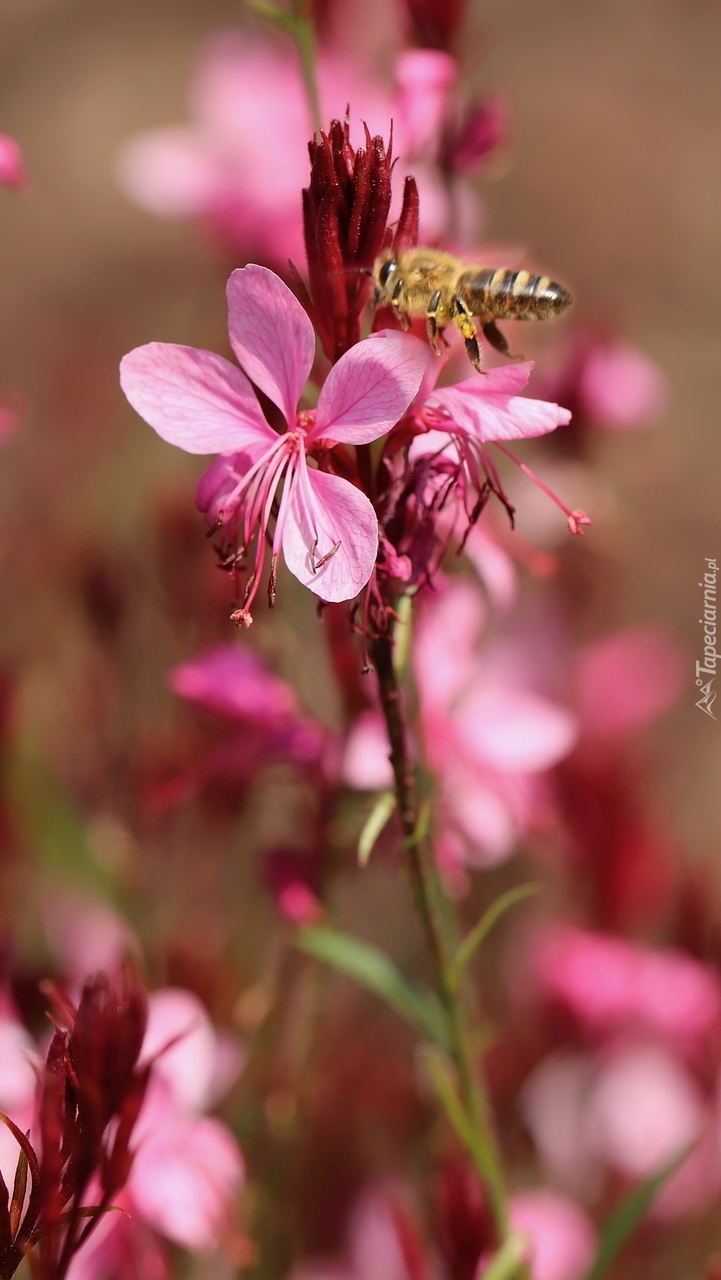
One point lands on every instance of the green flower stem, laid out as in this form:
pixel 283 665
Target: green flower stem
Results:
pixel 441 932
pixel 299 26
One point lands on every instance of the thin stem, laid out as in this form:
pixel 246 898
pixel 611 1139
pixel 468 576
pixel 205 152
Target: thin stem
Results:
pixel 299 26
pixel 304 35
pixel 440 929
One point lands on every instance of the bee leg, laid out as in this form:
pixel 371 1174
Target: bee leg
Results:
pixel 497 340
pixel 397 306
pixel 431 322
pixel 463 320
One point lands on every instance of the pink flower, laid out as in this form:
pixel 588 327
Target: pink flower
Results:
pixel 325 526
pixel 630 1108
pixel 624 681
pixel 12 166
pixel 562 1240
pixel 621 387
pixel 461 421
pixel 487 738
pixel 615 987
pixel 608 383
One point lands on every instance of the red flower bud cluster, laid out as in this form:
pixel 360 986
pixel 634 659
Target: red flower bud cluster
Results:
pixel 90 1095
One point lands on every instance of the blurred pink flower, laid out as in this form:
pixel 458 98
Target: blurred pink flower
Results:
pixel 640 1097
pixel 188 1168
pixel 621 387
pixel 615 988
pixel 382 1242
pixel 239 167
pixel 260 715
pixel 562 1239
pixel 607 382
pixel 12 166
pixel 326 527
pixel 487 740
pixel 629 1108
pixel 626 680
pixel 426 79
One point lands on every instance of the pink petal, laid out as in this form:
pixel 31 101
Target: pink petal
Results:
pixel 626 680
pixel 271 335
pixel 645 1109
pixel 234 682
pixel 515 731
pixel 493 415
pixel 621 387
pixel 370 388
pixel 194 399
pixel 184 1180
pixel 181 1034
pixel 562 1238
pixel 506 379
pixel 425 79
pixel 365 761
pixel 334 513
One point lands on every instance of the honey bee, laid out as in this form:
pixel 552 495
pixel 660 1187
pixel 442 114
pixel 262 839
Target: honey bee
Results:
pixel 427 282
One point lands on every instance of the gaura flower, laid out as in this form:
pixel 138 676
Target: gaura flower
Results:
pixel 478 412
pixel 326 527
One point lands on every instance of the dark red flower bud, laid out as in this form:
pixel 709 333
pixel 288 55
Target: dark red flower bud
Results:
pixel 345 216
pixel 483 128
pixel 91 1093
pixel 434 24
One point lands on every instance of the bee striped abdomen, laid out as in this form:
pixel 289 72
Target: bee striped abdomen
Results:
pixel 499 294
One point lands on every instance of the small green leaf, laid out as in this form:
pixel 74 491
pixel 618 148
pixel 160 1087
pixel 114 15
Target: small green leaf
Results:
pixel 622 1224
pixel 374 824
pixel 375 970
pixel 480 931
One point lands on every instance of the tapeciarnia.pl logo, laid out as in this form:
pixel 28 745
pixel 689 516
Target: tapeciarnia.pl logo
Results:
pixel 710 656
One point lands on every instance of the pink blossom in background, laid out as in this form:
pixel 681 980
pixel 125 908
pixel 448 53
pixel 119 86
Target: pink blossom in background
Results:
pixel 621 387
pixel 613 987
pixel 607 382
pixel 9 423
pixel 260 716
pixel 240 165
pixel 636 1094
pixel 628 1109
pixel 562 1238
pixel 382 1242
pixel 626 680
pixel 426 80
pixel 326 528
pixel 85 934
pixel 12 166
pixel 487 739
pixel 188 1168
